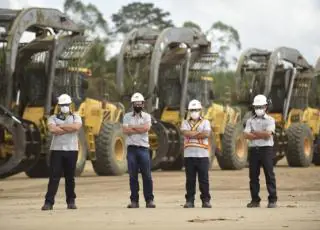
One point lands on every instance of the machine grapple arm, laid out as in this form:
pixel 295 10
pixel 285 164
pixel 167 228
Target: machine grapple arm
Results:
pixel 290 55
pixel 21 138
pixel 29 19
pixel 259 56
pixel 147 35
pixel 188 36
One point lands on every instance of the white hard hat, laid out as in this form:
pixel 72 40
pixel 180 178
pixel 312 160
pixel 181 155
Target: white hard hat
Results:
pixel 64 99
pixel 137 97
pixel 194 104
pixel 259 100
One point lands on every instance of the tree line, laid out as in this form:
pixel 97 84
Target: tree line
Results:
pixel 223 38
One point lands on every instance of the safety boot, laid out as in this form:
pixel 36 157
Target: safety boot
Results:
pixel 206 204
pixel 71 206
pixel 46 207
pixel 150 204
pixel 253 204
pixel 133 204
pixel 272 204
pixel 189 204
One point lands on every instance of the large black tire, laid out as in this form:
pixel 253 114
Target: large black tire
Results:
pixel 212 150
pixel 316 158
pixel 316 152
pixel 300 145
pixel 173 166
pixel 234 148
pixel 40 169
pixel 178 163
pixel 111 151
pixel 82 153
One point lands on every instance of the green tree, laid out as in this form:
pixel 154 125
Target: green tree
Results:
pixel 223 38
pixel 89 16
pixel 137 15
pixel 95 59
pixel 191 24
pixel 97 30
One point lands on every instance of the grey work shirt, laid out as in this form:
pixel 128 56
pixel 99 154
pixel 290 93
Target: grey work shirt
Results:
pixel 265 123
pixel 68 141
pixel 196 151
pixel 138 139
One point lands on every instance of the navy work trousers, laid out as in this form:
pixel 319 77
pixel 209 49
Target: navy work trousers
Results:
pixel 262 156
pixel 194 166
pixel 62 162
pixel 139 160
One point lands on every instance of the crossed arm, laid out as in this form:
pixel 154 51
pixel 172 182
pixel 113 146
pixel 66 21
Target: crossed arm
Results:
pixel 133 129
pixel 64 128
pixel 256 135
pixel 196 134
pixel 205 133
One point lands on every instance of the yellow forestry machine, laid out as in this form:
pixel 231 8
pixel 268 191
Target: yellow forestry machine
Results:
pixel 314 101
pixel 36 73
pixel 171 68
pixel 284 77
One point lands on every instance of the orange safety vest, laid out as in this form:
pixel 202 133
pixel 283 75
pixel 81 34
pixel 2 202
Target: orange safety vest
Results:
pixel 193 142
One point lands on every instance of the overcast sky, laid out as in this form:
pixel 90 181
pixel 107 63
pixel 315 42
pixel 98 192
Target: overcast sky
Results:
pixel 261 23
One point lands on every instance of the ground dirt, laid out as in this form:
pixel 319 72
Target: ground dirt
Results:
pixel 102 202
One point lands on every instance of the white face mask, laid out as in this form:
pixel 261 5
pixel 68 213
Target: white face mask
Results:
pixel 259 112
pixel 65 109
pixel 195 115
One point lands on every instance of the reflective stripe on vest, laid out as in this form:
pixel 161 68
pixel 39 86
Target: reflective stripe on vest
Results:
pixel 199 141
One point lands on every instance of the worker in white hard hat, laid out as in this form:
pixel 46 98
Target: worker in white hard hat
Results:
pixel 196 131
pixel 64 127
pixel 136 125
pixel 259 131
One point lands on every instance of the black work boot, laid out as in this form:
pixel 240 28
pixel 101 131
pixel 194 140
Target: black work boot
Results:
pixel 71 206
pixel 46 207
pixel 189 204
pixel 206 204
pixel 253 204
pixel 133 204
pixel 150 204
pixel 272 204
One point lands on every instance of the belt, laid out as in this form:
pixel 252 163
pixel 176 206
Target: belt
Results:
pixel 137 147
pixel 260 147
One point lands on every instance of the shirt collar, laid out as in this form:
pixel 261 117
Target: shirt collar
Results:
pixel 200 118
pixel 135 114
pixel 263 117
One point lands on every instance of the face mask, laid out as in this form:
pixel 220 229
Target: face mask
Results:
pixel 137 109
pixel 195 115
pixel 65 109
pixel 259 112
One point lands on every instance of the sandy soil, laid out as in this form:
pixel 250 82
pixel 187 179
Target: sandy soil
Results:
pixel 102 202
